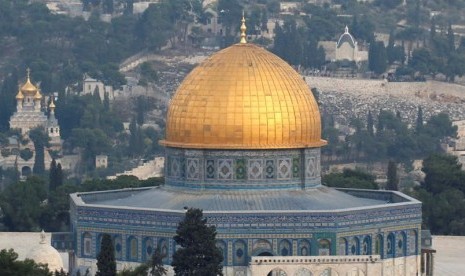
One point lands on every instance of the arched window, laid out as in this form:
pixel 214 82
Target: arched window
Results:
pixel 412 242
pixel 118 247
pixel 391 245
pixel 342 246
pixel 324 247
pixel 379 245
pixel 240 253
pixel 304 248
pixel 132 252
pixel 303 272
pixel 163 245
pixel 402 245
pixel 51 130
pixel 224 250
pixel 285 248
pixel 87 244
pixel 366 246
pixel 148 249
pixel 277 272
pixel 354 246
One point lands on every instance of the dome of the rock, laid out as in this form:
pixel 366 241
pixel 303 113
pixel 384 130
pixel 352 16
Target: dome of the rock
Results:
pixel 243 97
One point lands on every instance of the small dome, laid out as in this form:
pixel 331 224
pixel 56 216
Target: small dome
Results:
pixel 44 253
pixel 38 96
pixel 20 95
pixel 346 37
pixel 243 97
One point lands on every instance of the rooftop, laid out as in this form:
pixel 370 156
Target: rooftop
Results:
pixel 165 198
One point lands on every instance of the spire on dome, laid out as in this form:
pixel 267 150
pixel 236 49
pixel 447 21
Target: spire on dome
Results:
pixel 346 30
pixel 243 29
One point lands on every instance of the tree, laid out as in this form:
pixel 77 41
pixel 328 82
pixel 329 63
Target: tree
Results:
pixel 156 264
pixel 106 264
pixel 392 180
pixel 198 254
pixel 55 175
pixel 350 179
pixel 419 123
pixel 377 57
pixel 10 266
pixel 40 139
pixel 370 124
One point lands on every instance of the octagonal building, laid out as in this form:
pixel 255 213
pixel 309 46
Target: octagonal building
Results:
pixel 243 138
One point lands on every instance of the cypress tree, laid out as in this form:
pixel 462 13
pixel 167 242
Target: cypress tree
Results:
pixel 370 128
pixel 52 175
pixel 106 264
pixel 392 181
pixel 40 140
pixel 59 175
pixel 198 255
pixel 419 124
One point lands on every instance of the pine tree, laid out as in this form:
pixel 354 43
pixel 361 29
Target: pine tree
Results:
pixel 156 264
pixel 106 264
pixel 198 255
pixel 392 181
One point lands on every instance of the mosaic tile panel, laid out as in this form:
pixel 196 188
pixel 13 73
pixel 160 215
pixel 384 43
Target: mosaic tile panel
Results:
pixel 255 169
pixel 225 169
pixel 210 169
pixel 193 169
pixel 240 169
pixel 296 167
pixel 284 168
pixel 270 169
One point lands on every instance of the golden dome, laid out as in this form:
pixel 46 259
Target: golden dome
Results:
pixel 52 104
pixel 28 88
pixel 243 97
pixel 37 96
pixel 20 95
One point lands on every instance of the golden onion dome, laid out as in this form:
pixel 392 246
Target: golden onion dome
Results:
pixel 20 95
pixel 52 104
pixel 37 96
pixel 243 97
pixel 28 88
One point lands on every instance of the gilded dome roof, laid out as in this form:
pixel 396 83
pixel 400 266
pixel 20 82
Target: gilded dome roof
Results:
pixel 28 88
pixel 20 95
pixel 243 97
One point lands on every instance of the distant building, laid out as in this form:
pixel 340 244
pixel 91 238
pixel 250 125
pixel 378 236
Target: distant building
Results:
pixel 101 161
pixel 346 48
pixel 29 114
pixel 90 85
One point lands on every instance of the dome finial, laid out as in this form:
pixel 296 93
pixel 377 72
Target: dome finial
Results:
pixel 243 29
pixel 42 237
pixel 346 30
pixel 28 72
pixel 52 105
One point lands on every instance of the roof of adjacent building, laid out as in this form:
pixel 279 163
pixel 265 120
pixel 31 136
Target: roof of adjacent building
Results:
pixel 165 198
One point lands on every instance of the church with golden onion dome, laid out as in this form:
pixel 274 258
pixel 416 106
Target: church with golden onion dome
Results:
pixel 243 139
pixel 30 114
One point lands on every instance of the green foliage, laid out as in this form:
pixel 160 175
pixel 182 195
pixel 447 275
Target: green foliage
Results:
pixel 350 179
pixel 392 180
pixel 198 254
pixel 377 57
pixel 442 195
pixel 22 204
pixel 156 264
pixel 106 263
pixel 10 266
pixel 40 139
pixel 26 154
pixel 297 46
pixel 55 176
